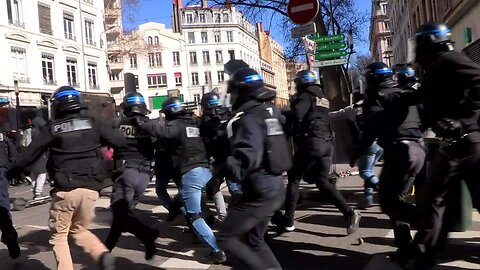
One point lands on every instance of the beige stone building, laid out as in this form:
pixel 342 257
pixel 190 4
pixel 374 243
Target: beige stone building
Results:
pixel 398 13
pixel 273 65
pixel 380 33
pixel 292 69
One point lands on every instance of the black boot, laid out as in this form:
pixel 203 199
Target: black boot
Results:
pixel 9 234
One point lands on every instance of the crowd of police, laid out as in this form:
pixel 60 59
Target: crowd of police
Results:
pixel 246 146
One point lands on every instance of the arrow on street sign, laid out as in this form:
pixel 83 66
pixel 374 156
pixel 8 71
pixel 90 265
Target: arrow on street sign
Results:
pixel 323 39
pixel 333 46
pixel 327 63
pixel 329 55
pixel 303 30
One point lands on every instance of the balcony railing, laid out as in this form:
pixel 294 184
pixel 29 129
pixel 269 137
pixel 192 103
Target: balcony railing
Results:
pixel 94 86
pixel 16 23
pixel 74 84
pixel 21 79
pixel 46 31
pixel 49 82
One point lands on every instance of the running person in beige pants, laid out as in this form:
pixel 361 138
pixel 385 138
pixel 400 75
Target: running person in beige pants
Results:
pixel 75 165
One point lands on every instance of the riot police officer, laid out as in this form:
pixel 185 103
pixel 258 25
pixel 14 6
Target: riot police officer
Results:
pixel 397 130
pixel 132 176
pixel 450 93
pixel 9 234
pixel 76 167
pixel 406 78
pixel 182 140
pixel 214 133
pixel 259 156
pixel 313 157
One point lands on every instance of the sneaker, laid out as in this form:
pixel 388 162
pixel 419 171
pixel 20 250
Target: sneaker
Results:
pixel 40 197
pixel 106 262
pixel 353 222
pixel 290 227
pixel 13 247
pixel 218 257
pixel 365 203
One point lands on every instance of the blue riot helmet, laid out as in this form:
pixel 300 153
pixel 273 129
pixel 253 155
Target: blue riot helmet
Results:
pixel 246 84
pixel 405 75
pixel 305 78
pixel 432 38
pixel 210 101
pixel 134 104
pixel 173 107
pixel 376 73
pixel 65 100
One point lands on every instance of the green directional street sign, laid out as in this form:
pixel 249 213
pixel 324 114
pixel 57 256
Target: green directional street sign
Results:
pixel 332 46
pixel 329 55
pixel 324 39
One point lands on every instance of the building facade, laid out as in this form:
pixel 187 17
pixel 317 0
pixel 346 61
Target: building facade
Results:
pixel 112 32
pixel 273 65
pixel 292 69
pixel 213 36
pixel 380 33
pixel 399 15
pixel 161 66
pixel 47 44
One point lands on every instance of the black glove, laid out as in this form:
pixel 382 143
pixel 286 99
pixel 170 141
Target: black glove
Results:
pixel 449 128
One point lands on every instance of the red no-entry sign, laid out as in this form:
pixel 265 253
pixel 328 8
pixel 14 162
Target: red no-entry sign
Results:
pixel 302 11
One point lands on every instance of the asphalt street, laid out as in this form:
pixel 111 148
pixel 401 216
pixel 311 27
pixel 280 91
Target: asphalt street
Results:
pixel 319 241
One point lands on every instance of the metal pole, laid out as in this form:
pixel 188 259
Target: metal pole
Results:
pixel 85 72
pixel 17 106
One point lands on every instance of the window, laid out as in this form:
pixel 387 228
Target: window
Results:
pixel 202 18
pixel 19 63
pixel 157 80
pixel 225 17
pixel 48 71
pixel 232 54
pixel 195 78
pixel 206 57
pixel 44 19
pixel 133 61
pixel 219 56
pixel 204 36
pixel 189 18
pixel 221 76
pixel 468 35
pixel 191 38
pixel 178 79
pixel 157 41
pixel 386 25
pixel 193 58
pixel 149 41
pixel 151 60
pixel 176 58
pixel 72 71
pixel 229 36
pixel 217 36
pixel 208 77
pixel 389 42
pixel 158 59
pixel 384 8
pixel 196 98
pixel 14 13
pixel 92 75
pixel 89 34
pixel 68 25
pixel 218 17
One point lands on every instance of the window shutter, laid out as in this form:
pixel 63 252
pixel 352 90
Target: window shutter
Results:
pixel 44 18
pixel 68 15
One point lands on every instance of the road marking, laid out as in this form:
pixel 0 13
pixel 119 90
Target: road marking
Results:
pixel 176 263
pixel 300 8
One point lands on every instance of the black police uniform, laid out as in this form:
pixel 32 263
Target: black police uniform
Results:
pixel 450 90
pixel 131 178
pixel 9 234
pixel 259 156
pixel 313 156
pixel 397 128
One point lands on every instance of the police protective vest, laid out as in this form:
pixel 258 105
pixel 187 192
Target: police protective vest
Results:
pixel 213 130
pixel 4 152
pixel 316 122
pixel 66 152
pixel 139 147
pixel 188 150
pixel 276 156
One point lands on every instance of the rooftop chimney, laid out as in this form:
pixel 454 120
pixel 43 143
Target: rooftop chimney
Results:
pixel 204 4
pixel 260 27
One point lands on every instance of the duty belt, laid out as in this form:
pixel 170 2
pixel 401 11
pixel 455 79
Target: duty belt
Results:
pixel 144 166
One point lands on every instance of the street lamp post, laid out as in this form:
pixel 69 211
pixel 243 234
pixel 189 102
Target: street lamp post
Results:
pixel 350 46
pixel 17 99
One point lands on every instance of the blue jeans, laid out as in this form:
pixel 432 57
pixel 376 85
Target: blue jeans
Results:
pixel 193 183
pixel 366 166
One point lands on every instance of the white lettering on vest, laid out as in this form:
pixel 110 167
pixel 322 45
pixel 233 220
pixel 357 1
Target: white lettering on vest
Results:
pixel 273 127
pixel 192 132
pixel 71 125
pixel 129 131
pixel 322 102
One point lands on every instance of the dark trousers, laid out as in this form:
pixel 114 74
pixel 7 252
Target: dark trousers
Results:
pixel 451 164
pixel 128 187
pixel 6 224
pixel 312 161
pixel 402 163
pixel 242 233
